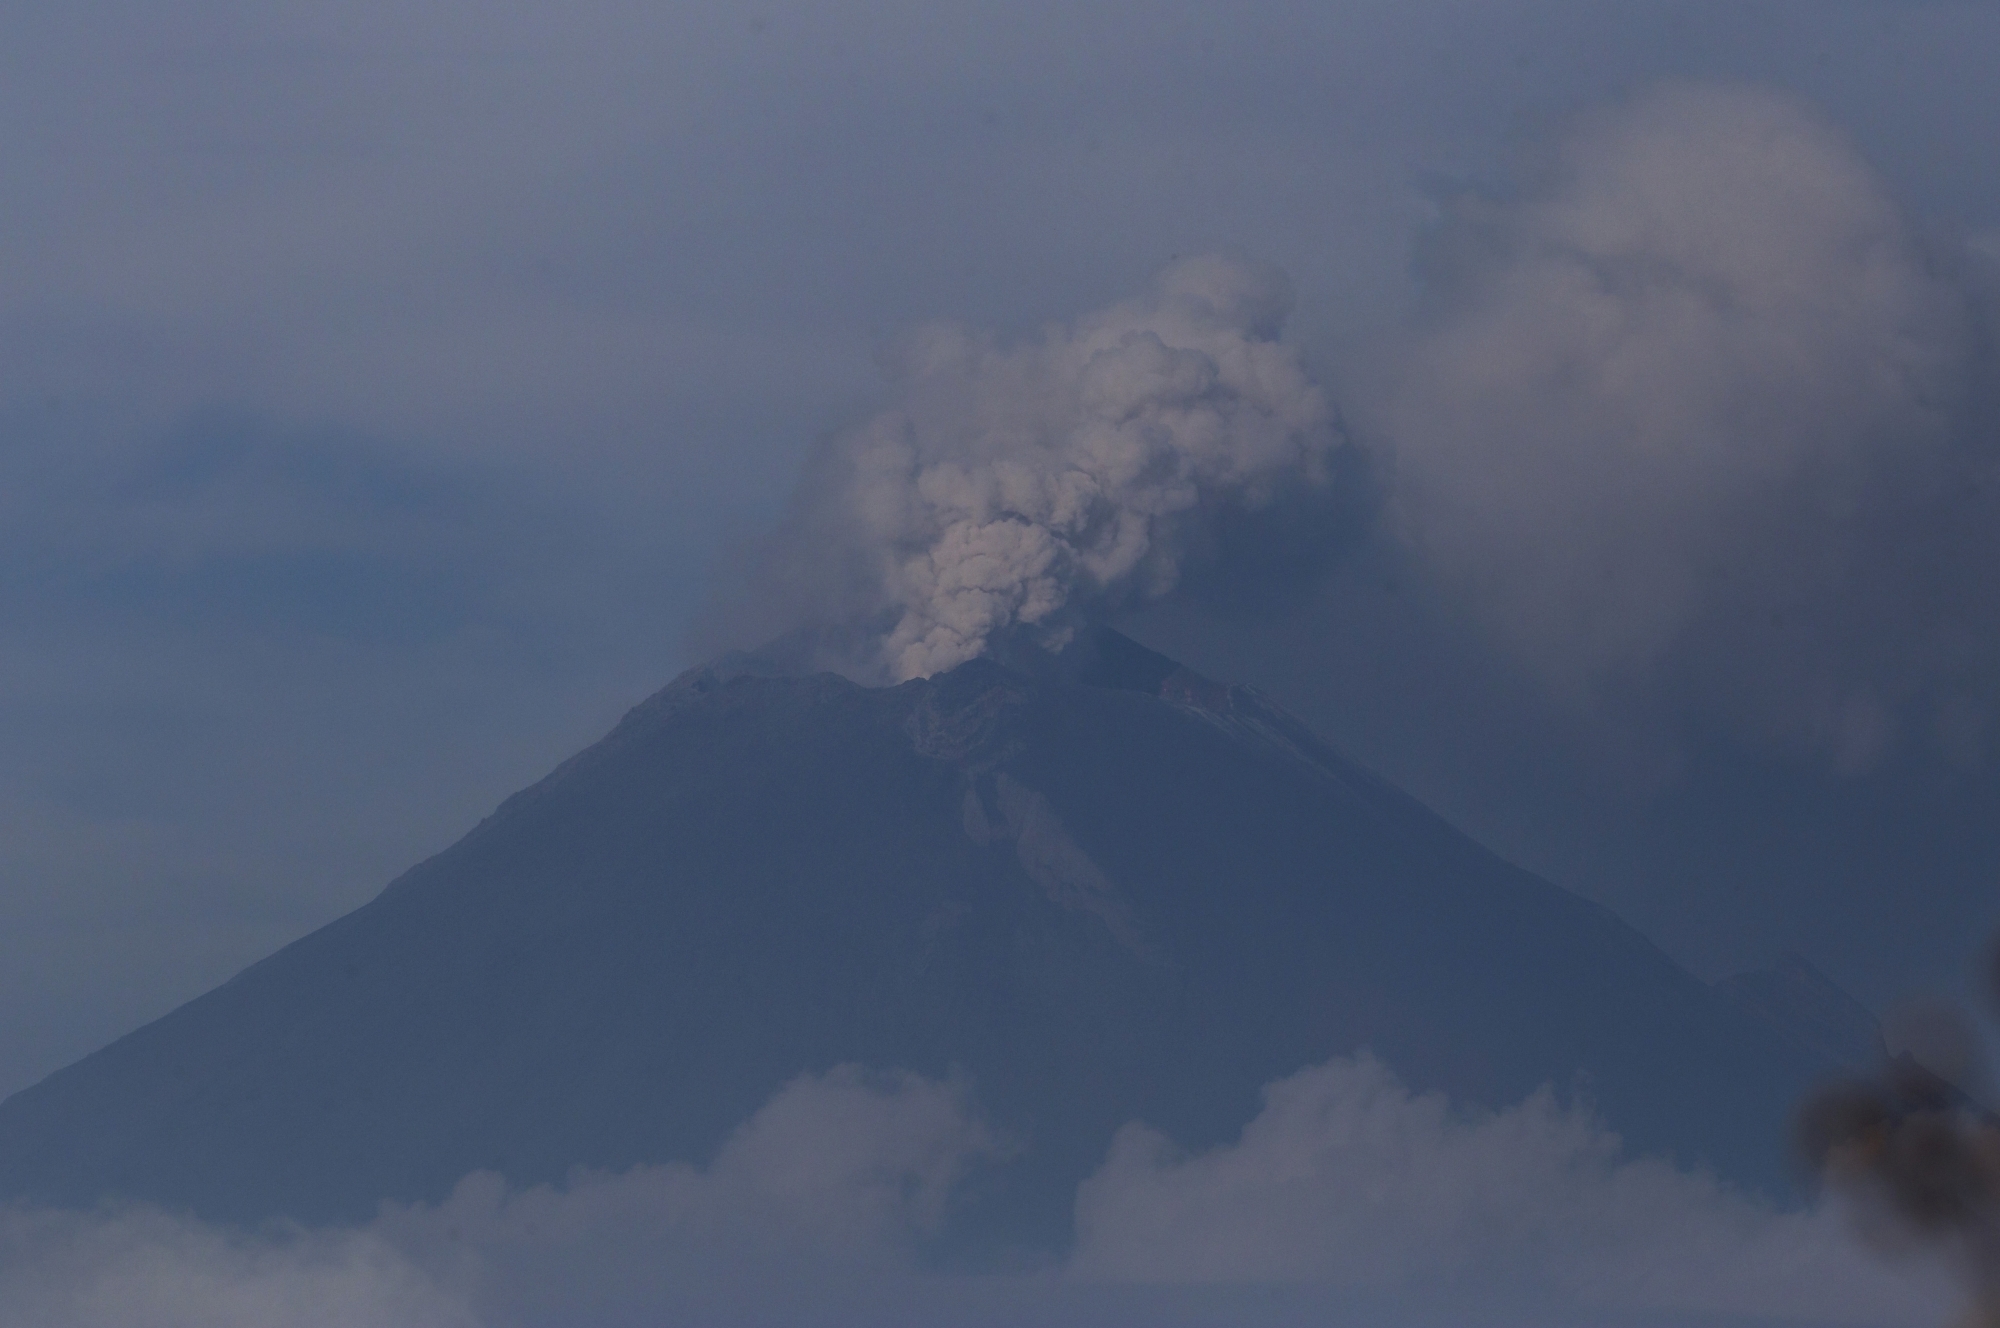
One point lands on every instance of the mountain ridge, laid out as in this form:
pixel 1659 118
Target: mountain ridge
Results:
pixel 1096 884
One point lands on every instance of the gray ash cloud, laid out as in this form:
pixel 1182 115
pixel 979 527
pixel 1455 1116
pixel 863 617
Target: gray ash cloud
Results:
pixel 1031 489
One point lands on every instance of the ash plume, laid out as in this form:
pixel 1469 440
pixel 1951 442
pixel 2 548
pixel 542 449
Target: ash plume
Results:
pixel 1028 490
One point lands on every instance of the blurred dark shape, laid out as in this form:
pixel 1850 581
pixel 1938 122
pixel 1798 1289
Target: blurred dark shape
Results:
pixel 1916 1147
pixel 1911 1136
pixel 1940 1036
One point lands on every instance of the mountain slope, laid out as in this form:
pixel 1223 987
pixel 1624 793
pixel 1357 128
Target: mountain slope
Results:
pixel 1100 887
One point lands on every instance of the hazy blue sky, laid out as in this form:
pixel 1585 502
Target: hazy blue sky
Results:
pixel 382 386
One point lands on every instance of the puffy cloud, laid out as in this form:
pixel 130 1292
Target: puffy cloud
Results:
pixel 837 1180
pixel 1031 487
pixel 1347 1199
pixel 151 1270
pixel 844 1164
pixel 1346 1179
pixel 1697 414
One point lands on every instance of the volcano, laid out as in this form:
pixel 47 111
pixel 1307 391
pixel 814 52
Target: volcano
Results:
pixel 1096 887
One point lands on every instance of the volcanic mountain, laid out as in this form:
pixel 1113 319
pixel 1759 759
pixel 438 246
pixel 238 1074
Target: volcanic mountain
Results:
pixel 1097 886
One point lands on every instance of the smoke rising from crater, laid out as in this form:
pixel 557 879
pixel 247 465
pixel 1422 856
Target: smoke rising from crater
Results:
pixel 1033 488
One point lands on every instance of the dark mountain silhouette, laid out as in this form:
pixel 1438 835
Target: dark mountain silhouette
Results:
pixel 1099 886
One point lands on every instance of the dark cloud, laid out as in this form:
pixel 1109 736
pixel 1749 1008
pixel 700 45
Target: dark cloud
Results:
pixel 1914 1148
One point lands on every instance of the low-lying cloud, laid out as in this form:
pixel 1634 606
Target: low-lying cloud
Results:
pixel 1348 1197
pixel 152 1270
pixel 1032 488
pixel 1698 416
pixel 840 1177
pixel 1348 1179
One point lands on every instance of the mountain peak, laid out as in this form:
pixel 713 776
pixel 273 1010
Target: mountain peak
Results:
pixel 1099 886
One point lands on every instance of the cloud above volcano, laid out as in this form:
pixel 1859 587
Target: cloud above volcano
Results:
pixel 1699 415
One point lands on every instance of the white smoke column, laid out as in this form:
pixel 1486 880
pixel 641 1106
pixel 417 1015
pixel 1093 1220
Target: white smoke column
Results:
pixel 1040 485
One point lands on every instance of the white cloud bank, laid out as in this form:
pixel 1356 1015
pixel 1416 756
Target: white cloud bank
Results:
pixel 837 1177
pixel 1347 1197
pixel 1348 1179
pixel 144 1269
pixel 1699 414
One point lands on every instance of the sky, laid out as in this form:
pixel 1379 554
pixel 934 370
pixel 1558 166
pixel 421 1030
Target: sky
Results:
pixel 391 395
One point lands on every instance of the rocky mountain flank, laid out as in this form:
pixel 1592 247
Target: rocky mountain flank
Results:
pixel 1098 887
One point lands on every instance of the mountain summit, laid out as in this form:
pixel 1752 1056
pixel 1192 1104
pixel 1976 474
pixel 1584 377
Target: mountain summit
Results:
pixel 1096 886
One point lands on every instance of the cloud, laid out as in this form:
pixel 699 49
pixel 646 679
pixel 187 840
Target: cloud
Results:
pixel 1030 488
pixel 1348 1199
pixel 1347 1179
pixel 151 1270
pixel 836 1181
pixel 1697 416
pixel 846 1163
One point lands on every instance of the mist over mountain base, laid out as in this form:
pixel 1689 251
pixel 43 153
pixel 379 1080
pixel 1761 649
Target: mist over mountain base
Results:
pixel 1347 1199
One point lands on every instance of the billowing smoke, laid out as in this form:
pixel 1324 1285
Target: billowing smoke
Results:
pixel 1922 1154
pixel 1033 488
pixel 1697 417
